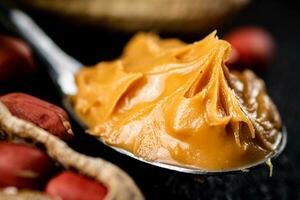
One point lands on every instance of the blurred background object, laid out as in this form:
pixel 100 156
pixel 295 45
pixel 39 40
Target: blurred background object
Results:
pixel 15 58
pixel 184 16
pixel 252 47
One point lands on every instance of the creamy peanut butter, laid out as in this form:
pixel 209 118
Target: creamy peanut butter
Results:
pixel 171 102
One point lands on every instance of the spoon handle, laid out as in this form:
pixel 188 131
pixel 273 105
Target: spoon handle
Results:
pixel 60 66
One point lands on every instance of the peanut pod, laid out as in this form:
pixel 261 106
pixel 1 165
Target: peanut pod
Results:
pixel 118 183
pixel 13 194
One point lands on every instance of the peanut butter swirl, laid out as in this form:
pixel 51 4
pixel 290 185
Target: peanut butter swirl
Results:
pixel 177 103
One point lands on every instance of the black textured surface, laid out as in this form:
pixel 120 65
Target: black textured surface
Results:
pixel 282 19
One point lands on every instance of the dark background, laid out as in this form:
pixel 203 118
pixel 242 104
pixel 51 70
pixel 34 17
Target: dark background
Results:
pixel 91 45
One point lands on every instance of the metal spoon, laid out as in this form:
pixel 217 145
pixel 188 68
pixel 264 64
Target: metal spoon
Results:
pixel 62 69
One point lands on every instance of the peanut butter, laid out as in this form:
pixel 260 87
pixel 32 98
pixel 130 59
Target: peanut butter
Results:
pixel 171 102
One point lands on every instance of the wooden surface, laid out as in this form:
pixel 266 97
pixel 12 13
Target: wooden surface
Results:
pixel 282 78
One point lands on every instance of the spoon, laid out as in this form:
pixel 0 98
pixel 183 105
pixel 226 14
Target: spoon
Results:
pixel 62 68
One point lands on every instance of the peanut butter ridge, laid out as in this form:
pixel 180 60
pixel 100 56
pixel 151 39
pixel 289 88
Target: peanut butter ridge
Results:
pixel 172 102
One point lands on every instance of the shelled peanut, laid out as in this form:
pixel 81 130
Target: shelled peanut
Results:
pixel 43 114
pixel 24 166
pixel 45 163
pixel 77 187
pixel 252 47
pixel 15 58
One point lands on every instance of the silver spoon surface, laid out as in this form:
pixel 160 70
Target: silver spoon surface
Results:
pixel 62 68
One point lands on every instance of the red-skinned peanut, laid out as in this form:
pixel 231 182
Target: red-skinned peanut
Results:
pixel 23 166
pixel 252 47
pixel 15 58
pixel 72 186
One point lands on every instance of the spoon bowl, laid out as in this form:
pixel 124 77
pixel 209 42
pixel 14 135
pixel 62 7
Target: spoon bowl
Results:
pixel 199 171
pixel 62 68
pixel 187 169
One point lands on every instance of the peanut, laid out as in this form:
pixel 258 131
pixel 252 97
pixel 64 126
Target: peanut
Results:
pixel 118 183
pixel 15 58
pixel 252 47
pixel 23 166
pixel 71 186
pixel 43 114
